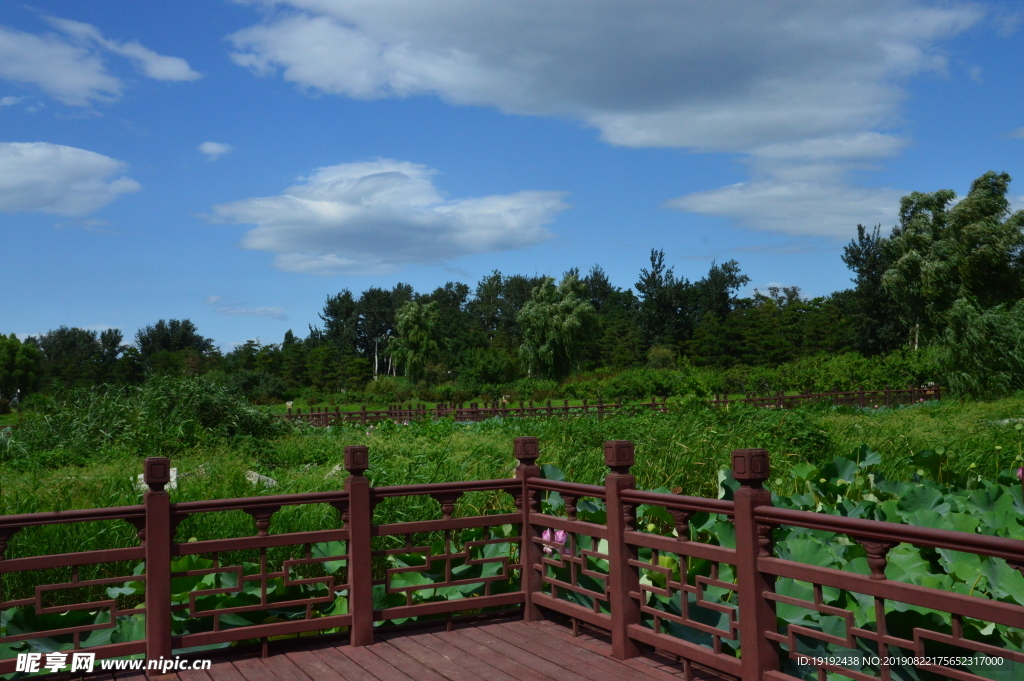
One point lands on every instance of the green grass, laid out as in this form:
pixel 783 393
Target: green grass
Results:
pixel 86 454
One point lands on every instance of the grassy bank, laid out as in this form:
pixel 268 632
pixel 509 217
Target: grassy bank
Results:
pixel 85 452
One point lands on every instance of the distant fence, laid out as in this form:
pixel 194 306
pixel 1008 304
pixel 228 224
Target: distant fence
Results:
pixel 852 398
pixel 481 411
pixel 474 411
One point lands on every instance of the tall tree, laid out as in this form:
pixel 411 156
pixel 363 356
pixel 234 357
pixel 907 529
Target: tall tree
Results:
pixel 942 253
pixel 416 345
pixel 662 301
pixel 497 304
pixel 555 324
pixel 875 321
pixel 341 322
pixel 71 356
pixel 20 367
pixel 172 335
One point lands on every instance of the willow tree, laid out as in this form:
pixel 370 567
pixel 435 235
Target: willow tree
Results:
pixel 943 252
pixel 416 346
pixel 555 324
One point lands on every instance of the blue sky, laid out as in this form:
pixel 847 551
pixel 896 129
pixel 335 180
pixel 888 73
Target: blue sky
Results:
pixel 237 162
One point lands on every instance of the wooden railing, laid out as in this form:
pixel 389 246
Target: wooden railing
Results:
pixel 608 574
pixel 865 399
pixel 480 411
pixel 473 411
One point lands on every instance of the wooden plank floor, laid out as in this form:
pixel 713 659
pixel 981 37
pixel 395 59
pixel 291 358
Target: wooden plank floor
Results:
pixel 509 650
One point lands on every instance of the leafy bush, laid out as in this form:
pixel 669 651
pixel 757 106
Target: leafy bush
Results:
pixel 257 386
pixel 639 384
pixel 389 389
pixel 982 352
pixel 661 357
pixel 160 417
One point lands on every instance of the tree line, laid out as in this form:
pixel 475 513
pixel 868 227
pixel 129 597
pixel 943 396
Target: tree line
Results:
pixel 948 279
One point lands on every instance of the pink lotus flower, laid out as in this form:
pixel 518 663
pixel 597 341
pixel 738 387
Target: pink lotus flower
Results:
pixel 558 537
pixel 1020 473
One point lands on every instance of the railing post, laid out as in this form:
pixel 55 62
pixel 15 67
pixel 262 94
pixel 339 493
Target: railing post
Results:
pixel 757 615
pixel 360 565
pixel 157 504
pixel 622 577
pixel 526 450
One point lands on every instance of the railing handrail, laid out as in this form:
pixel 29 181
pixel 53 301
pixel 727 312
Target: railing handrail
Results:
pixel 698 504
pixel 72 516
pixel 881 530
pixel 613 560
pixel 563 487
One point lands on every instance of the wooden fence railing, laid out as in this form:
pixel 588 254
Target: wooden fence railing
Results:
pixel 474 411
pixel 850 398
pixel 715 609
pixel 480 411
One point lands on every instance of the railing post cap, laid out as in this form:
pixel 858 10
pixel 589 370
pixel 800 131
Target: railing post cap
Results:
pixel 619 455
pixel 357 459
pixel 750 465
pixel 157 472
pixel 526 449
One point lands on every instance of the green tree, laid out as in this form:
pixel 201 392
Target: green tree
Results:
pixel 555 324
pixel 71 356
pixel 875 323
pixel 943 253
pixel 981 352
pixel 341 322
pixel 416 344
pixel 20 367
pixel 173 335
pixel 663 298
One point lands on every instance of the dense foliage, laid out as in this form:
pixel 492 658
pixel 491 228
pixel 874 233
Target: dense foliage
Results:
pixel 942 286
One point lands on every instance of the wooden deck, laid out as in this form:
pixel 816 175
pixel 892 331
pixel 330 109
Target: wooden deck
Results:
pixel 508 650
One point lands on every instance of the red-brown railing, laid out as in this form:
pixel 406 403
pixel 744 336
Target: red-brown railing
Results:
pixel 609 574
pixel 474 411
pixel 862 398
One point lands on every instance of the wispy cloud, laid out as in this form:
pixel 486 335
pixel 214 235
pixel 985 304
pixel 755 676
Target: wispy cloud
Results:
pixel 69 65
pixel 378 216
pixel 223 306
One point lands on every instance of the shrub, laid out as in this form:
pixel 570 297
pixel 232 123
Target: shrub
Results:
pixel 661 358
pixel 257 386
pixel 161 417
pixel 389 389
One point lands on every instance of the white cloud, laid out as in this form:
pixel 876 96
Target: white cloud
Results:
pixel 68 73
pixel 377 216
pixel 146 61
pixel 215 150
pixel 806 208
pixel 51 178
pixel 10 101
pixel 222 306
pixel 1018 134
pixel 70 67
pixel 784 83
